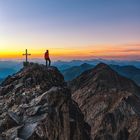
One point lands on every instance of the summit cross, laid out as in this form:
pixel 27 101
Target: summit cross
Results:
pixel 26 54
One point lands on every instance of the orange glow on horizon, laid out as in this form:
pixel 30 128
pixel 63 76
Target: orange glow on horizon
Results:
pixel 87 52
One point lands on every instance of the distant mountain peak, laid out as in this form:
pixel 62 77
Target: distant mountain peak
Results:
pixel 103 77
pixel 84 65
pixel 101 66
pixel 110 103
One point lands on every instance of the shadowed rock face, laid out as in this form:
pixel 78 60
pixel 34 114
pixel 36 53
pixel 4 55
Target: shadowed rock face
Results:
pixel 35 104
pixel 109 102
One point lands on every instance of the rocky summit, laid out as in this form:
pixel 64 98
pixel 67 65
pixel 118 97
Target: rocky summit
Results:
pixel 36 104
pixel 110 103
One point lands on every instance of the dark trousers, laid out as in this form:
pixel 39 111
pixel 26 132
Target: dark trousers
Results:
pixel 48 60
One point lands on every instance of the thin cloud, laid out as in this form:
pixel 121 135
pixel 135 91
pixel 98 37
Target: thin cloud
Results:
pixel 131 50
pixel 133 44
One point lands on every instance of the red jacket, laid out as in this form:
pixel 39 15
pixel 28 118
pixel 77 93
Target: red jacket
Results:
pixel 46 56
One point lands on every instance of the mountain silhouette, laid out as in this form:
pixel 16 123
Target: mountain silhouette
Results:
pixel 109 102
pixel 74 71
pixel 130 72
pixel 36 104
pixel 4 72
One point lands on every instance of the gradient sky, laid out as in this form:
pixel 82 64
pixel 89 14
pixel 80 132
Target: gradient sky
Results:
pixel 70 29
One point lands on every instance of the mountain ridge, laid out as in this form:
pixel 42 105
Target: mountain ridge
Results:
pixel 72 72
pixel 102 72
pixel 130 72
pixel 109 102
pixel 36 104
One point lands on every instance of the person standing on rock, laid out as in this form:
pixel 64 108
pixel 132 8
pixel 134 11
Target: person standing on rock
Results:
pixel 47 58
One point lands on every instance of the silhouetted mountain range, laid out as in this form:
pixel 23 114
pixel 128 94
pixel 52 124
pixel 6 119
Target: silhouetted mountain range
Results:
pixel 11 64
pixel 127 71
pixel 67 64
pixel 109 102
pixel 74 71
pixel 6 71
pixel 8 68
pixel 64 66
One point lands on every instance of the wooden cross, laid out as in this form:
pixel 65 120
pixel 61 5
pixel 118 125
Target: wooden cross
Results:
pixel 26 54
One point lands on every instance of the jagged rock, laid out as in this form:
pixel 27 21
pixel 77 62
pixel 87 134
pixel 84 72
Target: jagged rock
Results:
pixel 33 110
pixel 6 89
pixel 39 107
pixel 14 117
pixel 28 131
pixel 18 138
pixel 18 86
pixel 8 121
pixel 12 133
pixel 109 102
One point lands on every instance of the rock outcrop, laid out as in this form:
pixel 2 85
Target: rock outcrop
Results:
pixel 110 103
pixel 35 104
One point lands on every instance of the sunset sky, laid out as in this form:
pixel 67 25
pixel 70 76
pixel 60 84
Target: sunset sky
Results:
pixel 70 29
